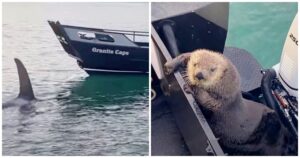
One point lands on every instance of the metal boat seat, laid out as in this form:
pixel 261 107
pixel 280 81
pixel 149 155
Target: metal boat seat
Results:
pixel 247 66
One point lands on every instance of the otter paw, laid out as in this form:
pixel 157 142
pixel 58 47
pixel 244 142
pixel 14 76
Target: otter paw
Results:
pixel 187 89
pixel 169 68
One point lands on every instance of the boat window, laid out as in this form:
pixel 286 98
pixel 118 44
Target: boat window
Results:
pixel 104 37
pixel 86 35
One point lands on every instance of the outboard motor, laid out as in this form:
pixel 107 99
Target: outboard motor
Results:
pixel 280 84
pixel 288 66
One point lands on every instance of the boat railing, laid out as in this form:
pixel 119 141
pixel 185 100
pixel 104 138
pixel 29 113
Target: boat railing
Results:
pixel 135 36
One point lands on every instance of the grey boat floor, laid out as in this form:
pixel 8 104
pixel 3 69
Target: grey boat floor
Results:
pixel 166 139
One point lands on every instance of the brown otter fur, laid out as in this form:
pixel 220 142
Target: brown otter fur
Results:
pixel 239 123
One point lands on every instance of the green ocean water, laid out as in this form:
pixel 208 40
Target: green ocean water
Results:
pixel 75 114
pixel 260 28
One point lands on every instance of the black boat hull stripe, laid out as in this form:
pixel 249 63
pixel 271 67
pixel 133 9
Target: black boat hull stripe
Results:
pixel 106 70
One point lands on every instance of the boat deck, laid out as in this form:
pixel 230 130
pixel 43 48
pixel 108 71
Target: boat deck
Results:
pixel 166 139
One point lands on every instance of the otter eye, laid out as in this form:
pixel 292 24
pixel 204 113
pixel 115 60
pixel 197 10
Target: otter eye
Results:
pixel 212 69
pixel 195 64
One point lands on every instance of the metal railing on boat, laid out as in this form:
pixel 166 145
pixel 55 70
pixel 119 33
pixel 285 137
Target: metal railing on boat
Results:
pixel 134 34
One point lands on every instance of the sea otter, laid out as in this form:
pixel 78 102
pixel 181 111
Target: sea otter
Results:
pixel 244 127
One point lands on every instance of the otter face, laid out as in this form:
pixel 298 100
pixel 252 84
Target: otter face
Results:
pixel 204 72
pixel 205 68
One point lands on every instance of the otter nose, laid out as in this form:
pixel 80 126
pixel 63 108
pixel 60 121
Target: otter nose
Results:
pixel 200 76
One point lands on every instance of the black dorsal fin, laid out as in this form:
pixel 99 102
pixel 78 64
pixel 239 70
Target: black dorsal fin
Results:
pixel 26 91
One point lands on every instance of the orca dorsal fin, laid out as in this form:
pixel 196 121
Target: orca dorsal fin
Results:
pixel 26 91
